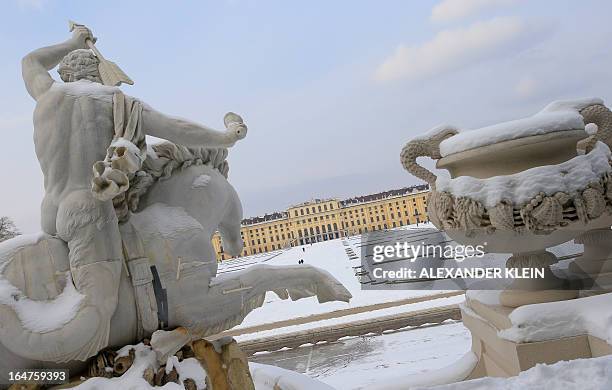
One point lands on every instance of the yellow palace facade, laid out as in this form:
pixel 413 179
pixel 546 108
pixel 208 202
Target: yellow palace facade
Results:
pixel 327 219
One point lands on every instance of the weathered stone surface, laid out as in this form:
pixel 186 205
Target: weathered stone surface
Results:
pixel 123 363
pixel 190 384
pixel 149 375
pixel 227 368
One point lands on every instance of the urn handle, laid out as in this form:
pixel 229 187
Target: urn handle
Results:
pixel 601 116
pixel 427 145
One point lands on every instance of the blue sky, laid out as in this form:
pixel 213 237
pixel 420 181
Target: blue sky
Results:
pixel 331 90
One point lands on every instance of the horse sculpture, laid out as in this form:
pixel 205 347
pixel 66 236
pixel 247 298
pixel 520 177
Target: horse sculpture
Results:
pixel 178 201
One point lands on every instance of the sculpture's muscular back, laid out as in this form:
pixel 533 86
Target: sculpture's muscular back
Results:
pixel 73 126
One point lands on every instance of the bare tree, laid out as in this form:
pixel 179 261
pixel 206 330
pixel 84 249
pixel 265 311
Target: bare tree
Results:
pixel 7 229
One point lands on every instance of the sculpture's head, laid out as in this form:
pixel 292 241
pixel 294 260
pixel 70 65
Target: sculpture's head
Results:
pixel 79 64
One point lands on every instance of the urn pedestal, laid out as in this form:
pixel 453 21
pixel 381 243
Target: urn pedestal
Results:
pixel 500 357
pixel 522 187
pixel 594 266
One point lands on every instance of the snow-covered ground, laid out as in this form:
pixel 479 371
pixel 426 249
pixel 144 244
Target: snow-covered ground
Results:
pixel 580 374
pixel 332 257
pixel 355 363
pixel 418 355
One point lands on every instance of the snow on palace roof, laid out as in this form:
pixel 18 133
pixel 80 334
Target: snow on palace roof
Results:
pixel 561 115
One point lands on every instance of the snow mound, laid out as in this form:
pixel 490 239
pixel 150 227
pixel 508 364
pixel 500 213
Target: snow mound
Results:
pixel 544 321
pixel 264 377
pixel 200 181
pixel 570 177
pixel 10 246
pixel 457 371
pixel 36 315
pixel 144 358
pixel 269 377
pixel 436 131
pixel 580 374
pixel 42 316
pixel 560 115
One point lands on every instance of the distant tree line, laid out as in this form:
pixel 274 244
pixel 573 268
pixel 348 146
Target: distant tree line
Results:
pixel 7 229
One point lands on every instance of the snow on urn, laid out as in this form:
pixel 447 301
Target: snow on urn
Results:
pixel 523 186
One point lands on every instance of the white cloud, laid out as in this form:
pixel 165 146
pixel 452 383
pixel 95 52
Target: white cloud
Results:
pixel 449 10
pixel 450 49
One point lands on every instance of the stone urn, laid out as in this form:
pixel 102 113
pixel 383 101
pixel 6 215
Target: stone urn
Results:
pixel 523 186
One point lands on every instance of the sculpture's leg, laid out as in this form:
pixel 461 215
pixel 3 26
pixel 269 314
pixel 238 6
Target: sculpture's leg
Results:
pixel 234 295
pixel 534 290
pixel 91 230
pixel 595 264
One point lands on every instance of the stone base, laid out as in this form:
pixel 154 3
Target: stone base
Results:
pixel 594 266
pixel 223 363
pixel 517 298
pixel 498 357
pixel 226 365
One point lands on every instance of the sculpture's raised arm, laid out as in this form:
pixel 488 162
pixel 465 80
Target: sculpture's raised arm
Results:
pixel 36 65
pixel 185 132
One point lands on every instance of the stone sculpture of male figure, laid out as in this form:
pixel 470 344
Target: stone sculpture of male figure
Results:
pixel 73 127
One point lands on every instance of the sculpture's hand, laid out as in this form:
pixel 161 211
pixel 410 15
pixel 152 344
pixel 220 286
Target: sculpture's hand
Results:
pixel 80 35
pixel 35 66
pixel 235 126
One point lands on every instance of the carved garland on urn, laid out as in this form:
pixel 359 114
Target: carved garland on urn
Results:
pixel 541 215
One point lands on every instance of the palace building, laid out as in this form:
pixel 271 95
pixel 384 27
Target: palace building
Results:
pixel 327 219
